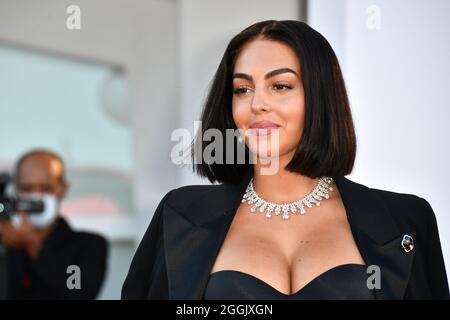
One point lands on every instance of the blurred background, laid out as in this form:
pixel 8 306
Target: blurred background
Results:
pixel 106 96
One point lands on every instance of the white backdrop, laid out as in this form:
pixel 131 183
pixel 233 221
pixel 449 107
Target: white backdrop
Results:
pixel 398 80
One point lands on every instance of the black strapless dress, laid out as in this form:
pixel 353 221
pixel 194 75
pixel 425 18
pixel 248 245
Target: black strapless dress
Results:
pixel 343 282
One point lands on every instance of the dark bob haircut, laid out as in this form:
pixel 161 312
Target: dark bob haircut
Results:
pixel 328 143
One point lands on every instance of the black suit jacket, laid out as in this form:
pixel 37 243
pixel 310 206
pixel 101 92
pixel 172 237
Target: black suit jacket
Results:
pixel 176 254
pixel 46 276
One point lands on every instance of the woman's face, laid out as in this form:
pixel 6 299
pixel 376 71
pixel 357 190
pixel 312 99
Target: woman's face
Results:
pixel 268 98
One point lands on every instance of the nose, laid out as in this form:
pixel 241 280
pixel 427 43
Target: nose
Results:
pixel 259 102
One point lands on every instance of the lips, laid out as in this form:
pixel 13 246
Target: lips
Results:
pixel 263 127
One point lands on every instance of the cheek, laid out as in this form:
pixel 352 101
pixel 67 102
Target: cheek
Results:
pixel 241 114
pixel 293 114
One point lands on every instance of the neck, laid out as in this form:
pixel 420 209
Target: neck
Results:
pixel 283 186
pixel 45 232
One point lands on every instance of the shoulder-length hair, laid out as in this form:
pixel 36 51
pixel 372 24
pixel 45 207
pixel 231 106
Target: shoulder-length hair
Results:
pixel 328 143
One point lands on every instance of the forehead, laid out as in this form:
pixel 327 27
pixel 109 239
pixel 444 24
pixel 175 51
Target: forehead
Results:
pixel 264 56
pixel 39 171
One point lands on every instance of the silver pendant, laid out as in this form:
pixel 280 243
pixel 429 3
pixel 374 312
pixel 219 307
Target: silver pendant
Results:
pixel 407 243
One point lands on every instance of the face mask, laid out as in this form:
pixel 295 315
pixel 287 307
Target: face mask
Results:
pixel 45 218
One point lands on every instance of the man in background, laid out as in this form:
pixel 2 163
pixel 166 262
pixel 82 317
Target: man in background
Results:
pixel 44 255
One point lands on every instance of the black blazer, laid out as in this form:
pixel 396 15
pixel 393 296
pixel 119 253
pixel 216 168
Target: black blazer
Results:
pixel 46 277
pixel 176 254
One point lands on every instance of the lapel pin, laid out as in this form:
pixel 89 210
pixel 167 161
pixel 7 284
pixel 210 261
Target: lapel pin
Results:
pixel 407 243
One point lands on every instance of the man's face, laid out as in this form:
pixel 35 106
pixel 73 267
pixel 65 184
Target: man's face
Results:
pixel 41 174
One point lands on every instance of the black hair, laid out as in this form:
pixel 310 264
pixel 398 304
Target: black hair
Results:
pixel 328 143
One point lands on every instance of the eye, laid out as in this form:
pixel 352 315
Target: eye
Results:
pixel 47 189
pixel 282 87
pixel 241 90
pixel 23 188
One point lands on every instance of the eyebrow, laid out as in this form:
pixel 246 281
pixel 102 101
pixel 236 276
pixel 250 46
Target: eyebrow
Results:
pixel 268 75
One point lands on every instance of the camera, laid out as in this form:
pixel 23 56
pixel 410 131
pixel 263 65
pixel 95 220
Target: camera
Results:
pixel 10 204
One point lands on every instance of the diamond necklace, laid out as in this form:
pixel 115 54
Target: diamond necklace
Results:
pixel 319 192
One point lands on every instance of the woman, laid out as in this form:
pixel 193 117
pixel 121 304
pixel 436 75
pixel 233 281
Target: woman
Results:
pixel 303 231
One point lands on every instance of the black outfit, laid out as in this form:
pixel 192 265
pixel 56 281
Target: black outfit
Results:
pixel 46 276
pixel 176 254
pixel 344 282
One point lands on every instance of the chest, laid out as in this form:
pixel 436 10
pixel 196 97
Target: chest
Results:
pixel 288 254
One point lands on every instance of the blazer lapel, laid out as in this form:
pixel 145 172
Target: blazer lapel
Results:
pixel 194 233
pixel 193 236
pixel 190 251
pixel 378 238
